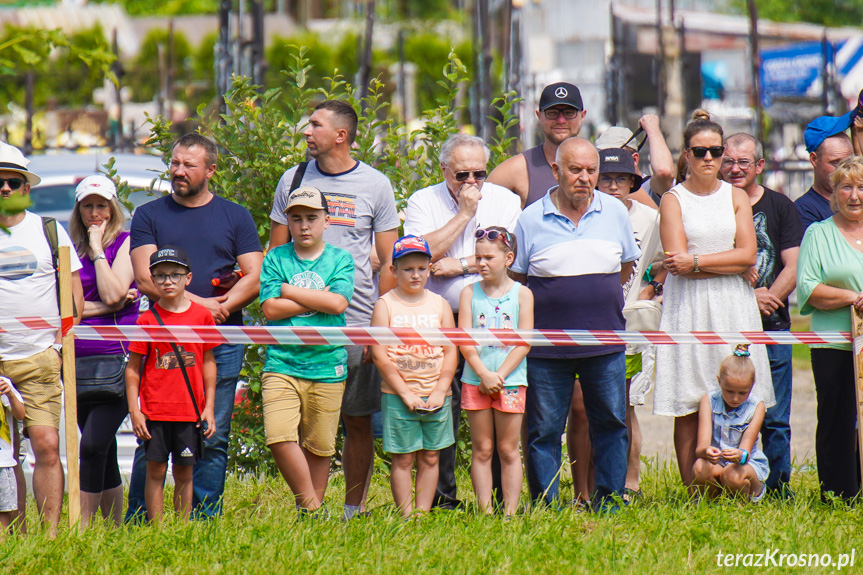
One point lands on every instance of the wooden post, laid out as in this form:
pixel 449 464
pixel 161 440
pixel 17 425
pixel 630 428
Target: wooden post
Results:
pixel 857 334
pixel 70 393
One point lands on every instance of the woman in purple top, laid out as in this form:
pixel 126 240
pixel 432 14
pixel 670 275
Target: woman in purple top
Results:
pixel 110 298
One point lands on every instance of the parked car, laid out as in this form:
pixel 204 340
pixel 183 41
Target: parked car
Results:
pixel 61 173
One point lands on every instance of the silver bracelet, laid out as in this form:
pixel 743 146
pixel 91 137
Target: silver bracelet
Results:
pixel 695 261
pixel 465 268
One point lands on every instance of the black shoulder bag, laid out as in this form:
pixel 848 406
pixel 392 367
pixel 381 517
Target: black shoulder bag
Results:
pixel 298 176
pixel 182 364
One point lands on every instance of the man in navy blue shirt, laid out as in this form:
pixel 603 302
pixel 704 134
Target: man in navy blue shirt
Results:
pixel 576 249
pixel 828 146
pixel 217 234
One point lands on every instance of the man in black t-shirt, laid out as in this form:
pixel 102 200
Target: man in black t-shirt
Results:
pixel 778 231
pixel 217 234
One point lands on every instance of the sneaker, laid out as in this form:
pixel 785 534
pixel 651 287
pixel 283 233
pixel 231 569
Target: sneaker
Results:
pixel 760 496
pixel 580 505
pixel 447 503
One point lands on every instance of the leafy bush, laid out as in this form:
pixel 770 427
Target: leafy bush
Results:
pixel 261 139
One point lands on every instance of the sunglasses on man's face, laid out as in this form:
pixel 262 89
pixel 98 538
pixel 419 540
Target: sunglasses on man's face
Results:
pixel 13 183
pixel 701 151
pixel 477 175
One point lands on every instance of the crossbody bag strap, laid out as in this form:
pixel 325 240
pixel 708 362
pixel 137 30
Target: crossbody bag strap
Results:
pixel 298 176
pixel 182 366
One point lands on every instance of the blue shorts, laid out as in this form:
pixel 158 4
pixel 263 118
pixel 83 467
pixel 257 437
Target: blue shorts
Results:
pixel 406 431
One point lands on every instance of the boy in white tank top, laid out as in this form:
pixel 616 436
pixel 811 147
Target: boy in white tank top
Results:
pixel 415 404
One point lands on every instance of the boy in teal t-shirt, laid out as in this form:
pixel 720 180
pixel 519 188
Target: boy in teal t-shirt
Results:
pixel 305 283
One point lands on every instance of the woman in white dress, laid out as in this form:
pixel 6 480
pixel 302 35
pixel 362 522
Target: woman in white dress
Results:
pixel 707 231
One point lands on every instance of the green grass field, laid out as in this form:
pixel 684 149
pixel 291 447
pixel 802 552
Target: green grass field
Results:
pixel 664 532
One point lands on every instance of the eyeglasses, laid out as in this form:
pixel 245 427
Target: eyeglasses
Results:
pixel 492 235
pixel 744 165
pixel 554 113
pixel 162 278
pixel 477 174
pixel 619 180
pixel 14 183
pixel 701 151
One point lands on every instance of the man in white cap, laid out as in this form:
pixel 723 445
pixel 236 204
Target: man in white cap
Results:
pixel 32 359
pixel 661 160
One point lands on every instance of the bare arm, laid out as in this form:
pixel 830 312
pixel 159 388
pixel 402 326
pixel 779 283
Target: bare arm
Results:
pixel 280 308
pixel 520 278
pixel 380 318
pixel 525 321
pixel 318 300
pixel 140 257
pixel 512 175
pixel 626 271
pixel 642 197
pixel 750 436
pixel 703 447
pixel 133 383
pixel 731 262
pixel 113 281
pixel 248 287
pixel 661 160
pixel 384 242
pixel 825 297
pixel 450 363
pixel 769 300
pixel 786 281
pixel 279 234
pixel 15 405
pixel 209 372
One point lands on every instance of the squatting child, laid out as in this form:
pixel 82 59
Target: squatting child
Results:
pixel 495 376
pixel 415 404
pixel 11 409
pixel 160 405
pixel 729 421
pixel 305 282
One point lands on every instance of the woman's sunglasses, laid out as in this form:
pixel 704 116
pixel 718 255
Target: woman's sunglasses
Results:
pixel 701 151
pixel 492 235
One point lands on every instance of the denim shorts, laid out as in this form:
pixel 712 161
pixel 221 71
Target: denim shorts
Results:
pixel 406 431
pixel 8 490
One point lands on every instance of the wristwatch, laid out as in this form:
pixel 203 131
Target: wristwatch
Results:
pixel 465 268
pixel 58 347
pixel 657 286
pixel 101 256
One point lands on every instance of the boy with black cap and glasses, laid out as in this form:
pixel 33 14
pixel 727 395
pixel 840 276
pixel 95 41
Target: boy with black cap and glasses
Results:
pixel 160 395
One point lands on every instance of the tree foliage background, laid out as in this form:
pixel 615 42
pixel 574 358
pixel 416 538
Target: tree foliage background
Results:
pixel 261 137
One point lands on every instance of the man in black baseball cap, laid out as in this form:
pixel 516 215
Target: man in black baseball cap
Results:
pixel 528 175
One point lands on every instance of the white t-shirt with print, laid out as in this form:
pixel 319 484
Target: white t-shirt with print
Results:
pixel 7 452
pixel 433 207
pixel 27 284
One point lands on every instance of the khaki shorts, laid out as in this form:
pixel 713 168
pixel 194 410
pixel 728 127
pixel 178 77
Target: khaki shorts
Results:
pixel 37 378
pixel 298 408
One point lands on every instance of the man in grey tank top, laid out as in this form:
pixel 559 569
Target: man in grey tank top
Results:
pixel 528 175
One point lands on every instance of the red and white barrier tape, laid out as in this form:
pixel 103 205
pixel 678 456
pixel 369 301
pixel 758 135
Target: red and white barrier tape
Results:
pixel 446 336
pixel 268 335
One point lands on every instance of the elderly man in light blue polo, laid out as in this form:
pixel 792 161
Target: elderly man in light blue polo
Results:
pixel 576 249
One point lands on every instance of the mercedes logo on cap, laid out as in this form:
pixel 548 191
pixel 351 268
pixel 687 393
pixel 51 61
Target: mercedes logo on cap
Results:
pixel 561 92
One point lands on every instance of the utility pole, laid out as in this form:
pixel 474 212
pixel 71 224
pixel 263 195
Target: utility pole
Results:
pixel 364 73
pixel 169 75
pixel 223 54
pixel 755 67
pixel 482 42
pixel 117 68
